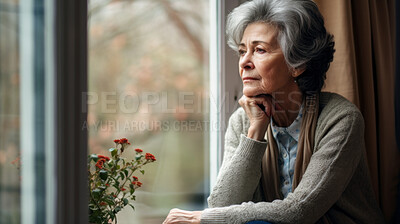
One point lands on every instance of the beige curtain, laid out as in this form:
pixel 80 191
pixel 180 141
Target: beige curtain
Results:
pixel 363 71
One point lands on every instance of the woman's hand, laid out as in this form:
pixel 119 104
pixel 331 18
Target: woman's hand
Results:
pixel 177 216
pixel 259 109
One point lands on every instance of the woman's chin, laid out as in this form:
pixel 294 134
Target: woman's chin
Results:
pixel 251 91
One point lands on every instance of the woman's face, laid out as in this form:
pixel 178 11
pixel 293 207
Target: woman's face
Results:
pixel 262 65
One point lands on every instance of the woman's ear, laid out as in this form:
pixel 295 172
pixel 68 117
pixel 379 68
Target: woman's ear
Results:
pixel 298 71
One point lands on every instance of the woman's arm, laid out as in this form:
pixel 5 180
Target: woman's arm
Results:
pixel 240 172
pixel 239 175
pixel 331 168
pixel 241 169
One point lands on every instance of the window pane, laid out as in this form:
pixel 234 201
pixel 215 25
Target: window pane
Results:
pixel 148 82
pixel 24 186
pixel 10 181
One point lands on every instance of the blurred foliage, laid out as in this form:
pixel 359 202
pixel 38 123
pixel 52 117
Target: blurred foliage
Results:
pixel 148 81
pixel 9 113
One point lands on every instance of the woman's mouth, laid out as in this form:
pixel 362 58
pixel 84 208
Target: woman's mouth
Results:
pixel 248 79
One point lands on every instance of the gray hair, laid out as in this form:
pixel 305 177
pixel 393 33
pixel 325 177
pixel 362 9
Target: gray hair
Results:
pixel 302 36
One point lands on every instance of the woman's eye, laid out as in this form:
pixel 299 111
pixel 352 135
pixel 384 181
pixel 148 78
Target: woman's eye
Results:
pixel 242 52
pixel 261 51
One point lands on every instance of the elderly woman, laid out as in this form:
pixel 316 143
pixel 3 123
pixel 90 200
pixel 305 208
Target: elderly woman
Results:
pixel 293 154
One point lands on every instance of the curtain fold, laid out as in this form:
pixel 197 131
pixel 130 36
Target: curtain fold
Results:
pixel 363 71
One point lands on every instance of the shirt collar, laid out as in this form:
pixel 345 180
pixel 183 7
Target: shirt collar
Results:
pixel 293 129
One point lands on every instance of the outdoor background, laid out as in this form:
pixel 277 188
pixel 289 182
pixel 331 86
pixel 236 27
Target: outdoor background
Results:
pixel 9 113
pixel 148 82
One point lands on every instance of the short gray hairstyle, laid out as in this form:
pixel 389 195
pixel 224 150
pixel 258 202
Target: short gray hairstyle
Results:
pixel 301 35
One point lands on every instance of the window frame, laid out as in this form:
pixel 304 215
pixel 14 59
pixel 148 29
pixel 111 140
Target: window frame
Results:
pixel 71 111
pixel 225 83
pixel 53 49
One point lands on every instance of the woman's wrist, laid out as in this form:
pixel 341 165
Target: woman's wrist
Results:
pixel 257 133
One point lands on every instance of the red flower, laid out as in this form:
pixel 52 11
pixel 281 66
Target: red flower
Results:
pixel 107 185
pixel 123 189
pixel 138 150
pixel 114 195
pixel 150 156
pixel 103 203
pixel 100 163
pixel 135 178
pixel 103 157
pixel 124 140
pixel 137 183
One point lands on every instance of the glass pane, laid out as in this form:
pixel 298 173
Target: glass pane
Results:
pixel 10 181
pixel 22 112
pixel 148 82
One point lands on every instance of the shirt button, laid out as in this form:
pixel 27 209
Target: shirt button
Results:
pixel 286 182
pixel 284 155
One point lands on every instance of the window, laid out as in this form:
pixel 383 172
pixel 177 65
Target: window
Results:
pixel 149 82
pixel 10 115
pixel 42 145
pixel 26 113
pixel 158 75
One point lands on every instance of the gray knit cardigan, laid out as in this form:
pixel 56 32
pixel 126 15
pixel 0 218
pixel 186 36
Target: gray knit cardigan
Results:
pixel 336 181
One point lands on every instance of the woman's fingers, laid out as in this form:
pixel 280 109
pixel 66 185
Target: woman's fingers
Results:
pixel 258 109
pixel 178 216
pixel 257 104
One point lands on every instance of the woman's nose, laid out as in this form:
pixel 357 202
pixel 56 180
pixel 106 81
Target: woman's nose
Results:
pixel 246 62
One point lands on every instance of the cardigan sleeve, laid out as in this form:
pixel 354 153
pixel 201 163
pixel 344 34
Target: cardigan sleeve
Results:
pixel 335 159
pixel 240 172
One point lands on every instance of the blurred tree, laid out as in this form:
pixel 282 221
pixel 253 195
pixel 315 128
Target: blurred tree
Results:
pixel 148 80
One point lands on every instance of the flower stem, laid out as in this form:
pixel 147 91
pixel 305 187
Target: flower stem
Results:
pixel 91 195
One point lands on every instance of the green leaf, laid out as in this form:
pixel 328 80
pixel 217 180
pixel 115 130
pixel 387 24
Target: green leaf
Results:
pixel 132 207
pixel 117 209
pixel 137 157
pixel 126 172
pixel 122 175
pixel 125 201
pixel 113 151
pixel 108 201
pixel 97 190
pixel 142 171
pixel 93 157
pixel 96 193
pixel 103 174
pixel 92 207
pixel 106 165
pixel 132 189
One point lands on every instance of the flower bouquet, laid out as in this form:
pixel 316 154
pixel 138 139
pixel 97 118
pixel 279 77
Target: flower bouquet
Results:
pixel 112 183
